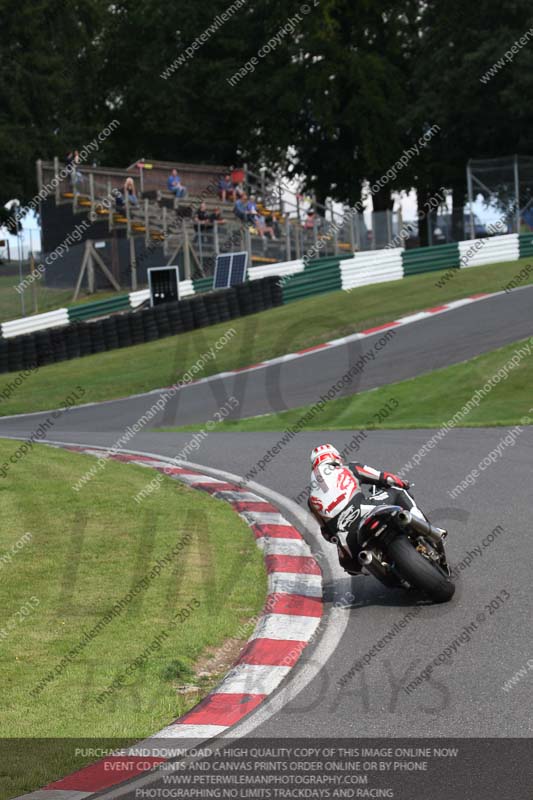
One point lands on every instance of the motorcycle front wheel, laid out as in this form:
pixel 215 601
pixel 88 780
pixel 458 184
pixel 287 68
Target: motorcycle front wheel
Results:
pixel 418 572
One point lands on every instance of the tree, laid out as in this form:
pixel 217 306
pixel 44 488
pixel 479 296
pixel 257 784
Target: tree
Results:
pixel 49 83
pixel 458 44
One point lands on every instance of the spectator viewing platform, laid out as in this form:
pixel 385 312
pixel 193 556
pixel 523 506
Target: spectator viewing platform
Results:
pixel 188 213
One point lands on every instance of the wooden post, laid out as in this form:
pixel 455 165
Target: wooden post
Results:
pixel 165 231
pixel 83 268
pixel 335 231
pixel 128 214
pixel 298 240
pixel 517 193
pixel 400 227
pixel 146 223
pixel 90 273
pixel 111 206
pixel 56 176
pixel 186 252
pixel 96 258
pixel 33 283
pixel 133 265
pixel 91 192
pixel 348 214
pixel 39 170
pixel 248 239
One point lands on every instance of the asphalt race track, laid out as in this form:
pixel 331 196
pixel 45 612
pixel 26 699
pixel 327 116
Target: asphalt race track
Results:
pixel 417 348
pixel 464 697
pixel 373 703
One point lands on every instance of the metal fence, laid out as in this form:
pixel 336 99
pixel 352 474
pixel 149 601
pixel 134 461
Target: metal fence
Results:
pixel 506 186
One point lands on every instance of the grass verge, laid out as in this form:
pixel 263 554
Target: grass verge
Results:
pixel 258 337
pixel 85 552
pixel 423 402
pixel 38 298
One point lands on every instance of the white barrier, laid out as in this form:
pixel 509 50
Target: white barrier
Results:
pixel 476 252
pixel 39 322
pixel 363 269
pixel 138 298
pixel 377 266
pixel 186 288
pixel 285 268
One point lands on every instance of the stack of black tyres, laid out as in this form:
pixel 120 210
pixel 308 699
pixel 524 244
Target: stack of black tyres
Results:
pixel 124 330
pixel 59 345
pixel 137 330
pixel 14 353
pixel 43 343
pixel 149 325
pixel 4 360
pixel 97 336
pixel 175 320
pixel 187 317
pixel 29 351
pixel 110 328
pixel 244 299
pixel 161 321
pixel 200 314
pixel 233 305
pixel 222 301
pixel 83 338
pixel 258 299
pixel 72 341
pixel 212 308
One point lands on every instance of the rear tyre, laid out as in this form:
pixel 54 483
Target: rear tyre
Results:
pixel 417 571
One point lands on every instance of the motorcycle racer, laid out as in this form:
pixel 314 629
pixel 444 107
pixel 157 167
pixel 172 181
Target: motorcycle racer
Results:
pixel 337 501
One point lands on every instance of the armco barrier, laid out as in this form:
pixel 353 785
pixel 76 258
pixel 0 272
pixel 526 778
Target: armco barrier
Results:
pixel 81 338
pixel 476 252
pixel 52 319
pixel 300 279
pixel 526 245
pixel 317 278
pixel 283 269
pixel 430 259
pixel 372 267
pixel 99 308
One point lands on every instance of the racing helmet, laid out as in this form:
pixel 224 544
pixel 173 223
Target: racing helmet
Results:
pixel 325 454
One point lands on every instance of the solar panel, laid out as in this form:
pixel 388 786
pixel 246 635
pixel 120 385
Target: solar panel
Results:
pixel 230 270
pixel 238 268
pixel 222 271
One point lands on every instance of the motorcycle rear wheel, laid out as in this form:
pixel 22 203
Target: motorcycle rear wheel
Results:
pixel 418 571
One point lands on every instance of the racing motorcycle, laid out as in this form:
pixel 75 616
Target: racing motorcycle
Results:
pixel 399 547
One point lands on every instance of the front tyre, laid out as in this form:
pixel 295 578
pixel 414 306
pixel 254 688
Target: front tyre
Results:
pixel 418 571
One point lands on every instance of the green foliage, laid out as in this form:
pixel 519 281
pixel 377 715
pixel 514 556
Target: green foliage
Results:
pixel 337 100
pixel 49 83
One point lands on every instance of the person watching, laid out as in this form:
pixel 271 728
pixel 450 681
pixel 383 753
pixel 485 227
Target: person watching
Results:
pixel 175 185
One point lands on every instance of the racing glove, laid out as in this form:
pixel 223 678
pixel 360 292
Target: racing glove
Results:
pixel 389 479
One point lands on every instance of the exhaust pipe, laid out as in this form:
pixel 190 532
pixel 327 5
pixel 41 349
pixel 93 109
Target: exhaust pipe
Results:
pixel 404 518
pixel 365 558
pixel 435 535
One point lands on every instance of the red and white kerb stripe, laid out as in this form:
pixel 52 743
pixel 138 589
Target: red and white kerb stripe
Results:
pixel 289 619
